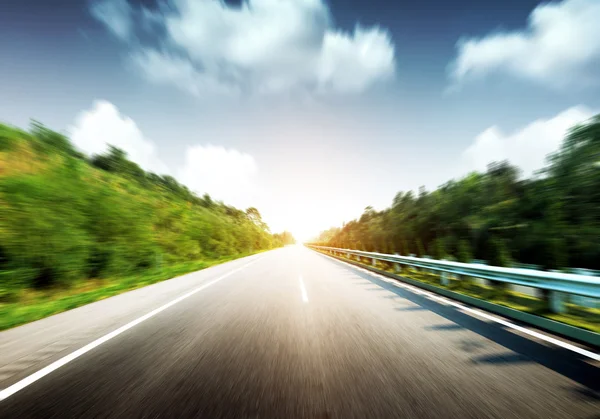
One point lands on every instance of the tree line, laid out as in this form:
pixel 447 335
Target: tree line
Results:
pixel 551 219
pixel 65 216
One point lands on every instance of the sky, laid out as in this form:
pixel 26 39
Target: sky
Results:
pixel 309 110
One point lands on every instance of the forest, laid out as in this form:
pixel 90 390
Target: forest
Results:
pixel 67 217
pixel 551 219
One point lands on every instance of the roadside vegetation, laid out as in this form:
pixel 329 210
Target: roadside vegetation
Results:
pixel 551 220
pixel 75 229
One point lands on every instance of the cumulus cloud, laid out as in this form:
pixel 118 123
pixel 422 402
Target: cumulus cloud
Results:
pixel 103 125
pixel 353 63
pixel 163 68
pixel 527 147
pixel 225 174
pixel 116 15
pixel 560 47
pixel 261 46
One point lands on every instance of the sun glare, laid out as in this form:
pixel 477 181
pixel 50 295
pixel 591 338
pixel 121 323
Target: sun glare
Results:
pixel 304 228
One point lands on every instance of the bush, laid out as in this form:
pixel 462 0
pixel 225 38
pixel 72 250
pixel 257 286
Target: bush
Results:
pixel 420 248
pixel 43 228
pixel 439 249
pixel 464 253
pixel 498 253
pixel 499 256
pixel 8 137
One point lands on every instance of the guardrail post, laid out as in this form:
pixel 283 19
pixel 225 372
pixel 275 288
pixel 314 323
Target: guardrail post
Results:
pixel 348 255
pixel 557 301
pixel 374 262
pixel 444 279
pixel 397 267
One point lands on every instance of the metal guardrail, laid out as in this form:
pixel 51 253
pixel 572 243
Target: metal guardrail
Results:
pixel 557 284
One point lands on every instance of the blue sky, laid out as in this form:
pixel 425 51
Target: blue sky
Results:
pixel 286 106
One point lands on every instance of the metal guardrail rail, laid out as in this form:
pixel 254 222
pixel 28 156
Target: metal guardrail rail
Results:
pixel 557 284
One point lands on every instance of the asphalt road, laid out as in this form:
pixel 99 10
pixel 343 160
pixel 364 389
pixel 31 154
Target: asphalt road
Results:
pixel 289 334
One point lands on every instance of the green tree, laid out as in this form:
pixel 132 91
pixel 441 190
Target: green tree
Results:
pixel 65 218
pixel 464 253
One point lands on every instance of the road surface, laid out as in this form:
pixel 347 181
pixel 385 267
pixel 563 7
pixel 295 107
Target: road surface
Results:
pixel 286 334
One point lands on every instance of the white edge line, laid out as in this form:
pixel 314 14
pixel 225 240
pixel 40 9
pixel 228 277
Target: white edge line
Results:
pixel 20 385
pixel 303 290
pixel 479 313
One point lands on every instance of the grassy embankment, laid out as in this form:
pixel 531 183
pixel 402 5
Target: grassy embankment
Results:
pixel 32 304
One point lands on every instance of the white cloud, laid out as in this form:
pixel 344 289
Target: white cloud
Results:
pixel 527 147
pixel 225 174
pixel 261 46
pixel 162 68
pixel 116 15
pixel 102 125
pixel 352 63
pixel 560 47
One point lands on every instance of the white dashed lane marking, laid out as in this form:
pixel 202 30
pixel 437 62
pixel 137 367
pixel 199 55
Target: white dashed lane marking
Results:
pixel 303 290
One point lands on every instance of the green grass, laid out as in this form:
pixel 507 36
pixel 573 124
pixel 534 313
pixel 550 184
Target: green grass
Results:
pixel 578 316
pixel 28 305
